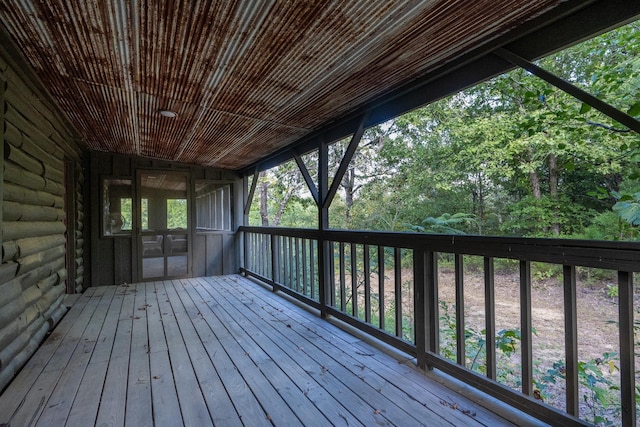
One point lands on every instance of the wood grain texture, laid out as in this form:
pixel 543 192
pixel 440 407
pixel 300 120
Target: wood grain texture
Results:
pixel 218 351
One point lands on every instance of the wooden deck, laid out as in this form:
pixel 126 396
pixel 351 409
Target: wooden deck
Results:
pixel 221 351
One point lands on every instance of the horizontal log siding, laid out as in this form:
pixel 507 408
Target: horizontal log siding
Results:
pixel 33 276
pixel 78 278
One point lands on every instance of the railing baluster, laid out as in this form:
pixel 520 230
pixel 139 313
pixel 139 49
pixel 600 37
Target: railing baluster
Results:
pixel 490 317
pixel 275 257
pixel 245 246
pixel 285 261
pixel 343 279
pixel 422 326
pixel 525 327
pixel 460 324
pixel 627 367
pixel 381 286
pixel 285 257
pixel 332 268
pixel 297 258
pixel 354 280
pixel 313 267
pixel 397 272
pixel 571 339
pixel 305 276
pixel 433 314
pixel 292 267
pixel 367 283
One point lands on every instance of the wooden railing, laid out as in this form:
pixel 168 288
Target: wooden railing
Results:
pixel 386 284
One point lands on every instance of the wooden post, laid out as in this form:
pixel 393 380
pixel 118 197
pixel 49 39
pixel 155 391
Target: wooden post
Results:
pixel 525 327
pixel 627 363
pixel 420 308
pixel 571 340
pixel 490 316
pixel 323 224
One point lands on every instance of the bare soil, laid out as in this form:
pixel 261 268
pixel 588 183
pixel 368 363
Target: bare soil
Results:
pixel 597 312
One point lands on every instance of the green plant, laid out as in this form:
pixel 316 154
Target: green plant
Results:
pixel 599 393
pixel 507 341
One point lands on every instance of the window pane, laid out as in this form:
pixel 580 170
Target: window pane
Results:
pixel 213 206
pixel 127 213
pixel 116 207
pixel 144 208
pixel 176 213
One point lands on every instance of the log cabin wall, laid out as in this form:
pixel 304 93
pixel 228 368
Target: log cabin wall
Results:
pixel 41 157
pixel 114 258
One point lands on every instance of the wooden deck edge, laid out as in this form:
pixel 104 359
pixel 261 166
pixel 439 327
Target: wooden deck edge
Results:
pixel 456 386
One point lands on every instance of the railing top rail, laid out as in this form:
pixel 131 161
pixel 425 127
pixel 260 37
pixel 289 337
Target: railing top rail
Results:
pixel 622 256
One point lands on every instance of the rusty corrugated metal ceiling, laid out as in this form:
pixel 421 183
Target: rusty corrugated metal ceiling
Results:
pixel 245 77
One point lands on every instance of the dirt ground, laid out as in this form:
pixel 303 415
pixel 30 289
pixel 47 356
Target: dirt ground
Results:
pixel 597 312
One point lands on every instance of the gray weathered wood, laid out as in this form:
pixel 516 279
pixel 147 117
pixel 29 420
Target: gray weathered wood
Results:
pixel 244 352
pixel 13 230
pixel 32 245
pixel 8 271
pixel 15 193
pixel 22 212
pixel 192 404
pixel 15 174
pixel 31 262
pixel 23 160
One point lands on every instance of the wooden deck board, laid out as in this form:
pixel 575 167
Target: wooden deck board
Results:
pixel 218 351
pixel 375 404
pixel 164 399
pixel 27 394
pixel 352 352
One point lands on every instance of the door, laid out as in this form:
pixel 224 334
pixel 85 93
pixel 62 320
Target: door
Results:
pixel 163 225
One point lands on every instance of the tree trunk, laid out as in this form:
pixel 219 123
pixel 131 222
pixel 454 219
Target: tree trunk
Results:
pixel 282 207
pixel 480 203
pixel 348 183
pixel 553 191
pixel 264 214
pixel 534 178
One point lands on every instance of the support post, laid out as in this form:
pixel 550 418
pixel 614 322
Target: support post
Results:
pixel 344 164
pixel 490 316
pixel 249 198
pixel 307 178
pixel 571 339
pixel 461 354
pixel 421 327
pixel 525 328
pixel 572 90
pixel 627 363
pixel 323 224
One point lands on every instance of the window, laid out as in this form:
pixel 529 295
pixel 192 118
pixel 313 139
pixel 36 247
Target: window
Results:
pixel 117 213
pixel 213 206
pixel 176 213
pixel 144 214
pixel 126 211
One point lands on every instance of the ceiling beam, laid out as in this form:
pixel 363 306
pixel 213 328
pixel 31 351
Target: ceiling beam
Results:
pixel 572 90
pixel 567 24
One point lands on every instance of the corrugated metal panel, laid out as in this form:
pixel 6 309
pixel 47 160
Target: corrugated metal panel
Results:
pixel 245 77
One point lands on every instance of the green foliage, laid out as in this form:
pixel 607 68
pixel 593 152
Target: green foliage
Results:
pixel 445 224
pixel 597 387
pixel 176 213
pixel 507 341
pixel 628 207
pixel 126 210
pixel 598 390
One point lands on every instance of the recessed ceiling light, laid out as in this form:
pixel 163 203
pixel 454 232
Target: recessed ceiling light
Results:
pixel 168 113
